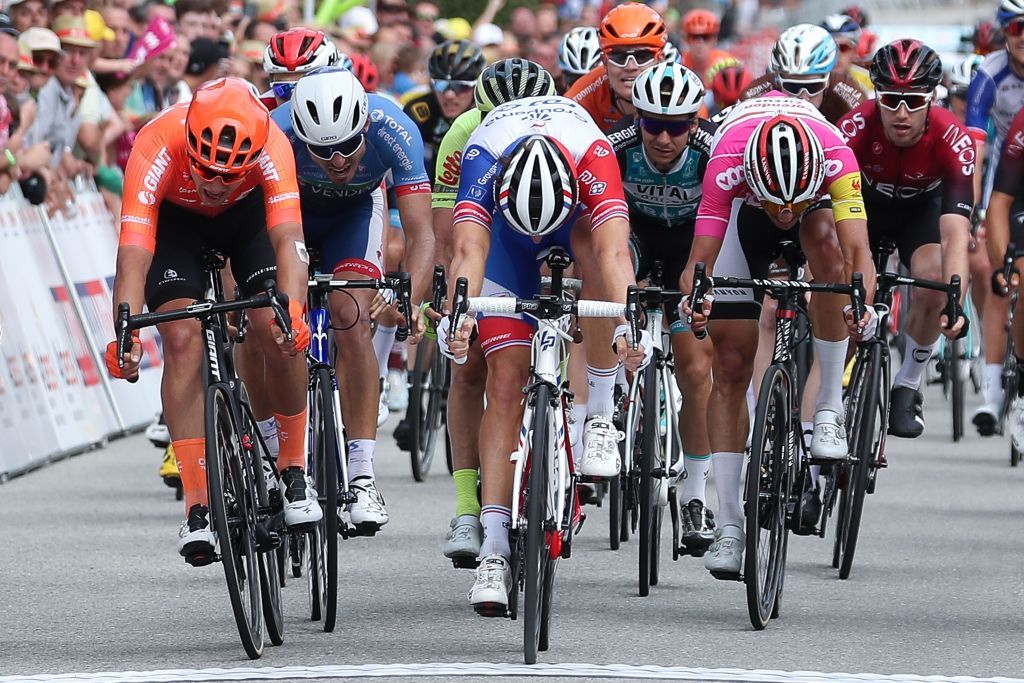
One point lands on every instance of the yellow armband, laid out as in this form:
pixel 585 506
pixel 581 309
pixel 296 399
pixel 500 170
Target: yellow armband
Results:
pixel 847 201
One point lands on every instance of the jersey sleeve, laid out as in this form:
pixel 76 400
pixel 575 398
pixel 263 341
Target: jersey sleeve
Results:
pixel 723 182
pixel 600 184
pixel 842 174
pixel 403 138
pixel 475 200
pixel 449 167
pixel 1010 172
pixel 959 160
pixel 279 182
pixel 981 95
pixel 146 179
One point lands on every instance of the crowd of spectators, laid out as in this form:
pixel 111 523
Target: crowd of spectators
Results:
pixel 80 77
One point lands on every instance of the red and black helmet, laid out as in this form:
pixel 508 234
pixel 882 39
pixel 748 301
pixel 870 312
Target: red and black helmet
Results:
pixel 988 37
pixel 906 64
pixel 298 50
pixel 857 14
pixel 729 83
pixel 366 71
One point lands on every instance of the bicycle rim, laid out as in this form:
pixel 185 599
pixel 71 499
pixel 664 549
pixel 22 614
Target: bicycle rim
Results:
pixel 536 513
pixel 325 536
pixel 767 497
pixel 419 395
pixel 233 519
pixel 864 412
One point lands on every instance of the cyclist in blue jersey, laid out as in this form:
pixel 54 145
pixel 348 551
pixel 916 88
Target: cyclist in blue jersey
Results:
pixel 346 143
pixel 662 154
pixel 997 93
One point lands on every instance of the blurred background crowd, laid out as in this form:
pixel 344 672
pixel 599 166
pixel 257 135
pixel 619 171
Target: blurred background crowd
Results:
pixel 80 77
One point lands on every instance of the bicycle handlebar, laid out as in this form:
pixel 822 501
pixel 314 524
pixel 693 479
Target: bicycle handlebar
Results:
pixel 543 308
pixel 401 286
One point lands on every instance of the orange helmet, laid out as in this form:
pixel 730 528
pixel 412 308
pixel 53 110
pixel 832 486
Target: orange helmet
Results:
pixel 700 22
pixel 632 25
pixel 226 126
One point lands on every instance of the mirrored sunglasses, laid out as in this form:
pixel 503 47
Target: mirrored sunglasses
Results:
pixel 1015 28
pixel 345 148
pixel 803 88
pixel 443 85
pixel 640 57
pixel 913 101
pixel 209 175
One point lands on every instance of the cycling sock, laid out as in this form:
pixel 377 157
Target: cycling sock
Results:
pixel 579 416
pixel 915 360
pixel 601 399
pixel 268 430
pixel 383 340
pixel 291 436
pixel 495 520
pixel 695 483
pixel 728 467
pixel 466 501
pixel 993 383
pixel 360 458
pixel 815 473
pixel 191 455
pixel 831 359
pixel 807 434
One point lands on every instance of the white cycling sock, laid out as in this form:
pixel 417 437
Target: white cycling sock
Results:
pixel 579 417
pixel 728 467
pixel 360 458
pixel 383 340
pixel 268 430
pixel 914 362
pixel 993 383
pixel 695 481
pixel 831 359
pixel 495 520
pixel 601 399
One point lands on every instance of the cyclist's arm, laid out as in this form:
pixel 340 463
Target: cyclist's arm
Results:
pixel 981 95
pixel 472 218
pixel 446 183
pixel 958 193
pixel 1007 183
pixel 472 242
pixel 997 220
pixel 284 217
pixel 444 243
pixel 852 228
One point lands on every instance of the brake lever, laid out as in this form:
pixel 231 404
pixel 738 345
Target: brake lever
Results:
pixel 460 306
pixel 953 308
pixel 697 293
pixel 404 306
pixel 124 336
pixel 857 296
pixel 633 314
pixel 279 309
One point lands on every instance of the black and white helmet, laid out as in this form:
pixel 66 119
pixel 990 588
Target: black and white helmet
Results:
pixel 580 51
pixel 668 88
pixel 511 79
pixel 537 190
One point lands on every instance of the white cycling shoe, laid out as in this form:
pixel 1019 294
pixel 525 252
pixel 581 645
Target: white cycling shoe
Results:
pixel 725 556
pixel 600 456
pixel 464 538
pixel 489 594
pixel 301 507
pixel 829 439
pixel 196 539
pixel 398 391
pixel 369 513
pixel 382 406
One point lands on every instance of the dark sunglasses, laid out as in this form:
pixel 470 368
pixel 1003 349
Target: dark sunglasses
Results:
pixel 674 127
pixel 345 148
pixel 209 175
pixel 443 85
pixel 1015 28
pixel 798 88
pixel 48 61
pixel 913 101
pixel 641 57
pixel 283 91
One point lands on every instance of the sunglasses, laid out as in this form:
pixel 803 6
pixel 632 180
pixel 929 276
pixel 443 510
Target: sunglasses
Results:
pixel 779 209
pixel 699 37
pixel 345 148
pixel 674 127
pixel 443 85
pixel 1015 28
pixel 803 88
pixel 426 17
pixel 913 101
pixel 44 61
pixel 209 175
pixel 641 58
pixel 283 91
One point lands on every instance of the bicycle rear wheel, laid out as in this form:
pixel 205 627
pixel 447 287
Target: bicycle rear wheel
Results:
pixel 233 512
pixel 536 516
pixel 767 496
pixel 614 511
pixel 862 416
pixel 425 403
pixel 322 541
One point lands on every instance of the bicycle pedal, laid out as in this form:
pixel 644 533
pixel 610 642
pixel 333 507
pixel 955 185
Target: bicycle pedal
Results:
pixel 345 498
pixel 491 609
pixel 684 551
pixel 727 576
pixel 201 558
pixel 829 463
pixel 465 562
pixel 173 482
pixel 366 529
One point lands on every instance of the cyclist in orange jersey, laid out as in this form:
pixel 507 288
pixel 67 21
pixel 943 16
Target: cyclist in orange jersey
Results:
pixel 701 28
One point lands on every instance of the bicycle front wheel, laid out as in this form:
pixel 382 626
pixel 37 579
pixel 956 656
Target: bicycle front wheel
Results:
pixel 233 512
pixel 322 542
pixel 767 496
pixel 955 367
pixel 536 516
pixel 424 416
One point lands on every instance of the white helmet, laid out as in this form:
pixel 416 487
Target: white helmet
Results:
pixel 963 71
pixel 1009 10
pixel 580 51
pixel 537 191
pixel 783 161
pixel 329 106
pixel 668 88
pixel 804 50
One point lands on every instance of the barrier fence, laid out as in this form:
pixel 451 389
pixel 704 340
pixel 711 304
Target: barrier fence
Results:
pixel 56 277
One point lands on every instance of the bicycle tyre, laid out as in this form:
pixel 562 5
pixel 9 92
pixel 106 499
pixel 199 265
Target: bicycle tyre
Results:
pixel 862 416
pixel 1009 381
pixel 550 564
pixel 536 514
pixel 615 512
pixel 325 454
pixel 768 489
pixel 232 511
pixel 649 437
pixel 958 388
pixel 424 415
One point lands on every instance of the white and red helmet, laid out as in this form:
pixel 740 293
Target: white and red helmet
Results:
pixel 299 50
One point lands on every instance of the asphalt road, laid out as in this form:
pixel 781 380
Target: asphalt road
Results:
pixel 90 581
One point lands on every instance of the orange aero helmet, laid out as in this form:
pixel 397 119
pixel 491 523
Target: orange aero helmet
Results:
pixel 226 126
pixel 700 22
pixel 632 25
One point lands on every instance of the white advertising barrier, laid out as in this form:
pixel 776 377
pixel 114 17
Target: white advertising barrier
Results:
pixel 55 305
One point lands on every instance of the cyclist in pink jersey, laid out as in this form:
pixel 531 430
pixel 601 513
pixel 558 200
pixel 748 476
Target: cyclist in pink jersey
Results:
pixel 776 157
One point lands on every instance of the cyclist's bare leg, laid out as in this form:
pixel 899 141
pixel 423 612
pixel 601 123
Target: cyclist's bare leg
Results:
pixel 693 373
pixel 1018 317
pixel 981 271
pixel 465 414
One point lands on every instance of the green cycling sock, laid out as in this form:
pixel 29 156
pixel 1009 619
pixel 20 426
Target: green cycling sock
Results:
pixel 466 501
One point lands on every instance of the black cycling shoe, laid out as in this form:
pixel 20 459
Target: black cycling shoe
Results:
pixel 403 435
pixel 906 415
pixel 696 528
pixel 810 510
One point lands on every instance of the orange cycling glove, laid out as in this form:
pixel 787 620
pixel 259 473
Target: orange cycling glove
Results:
pixel 112 355
pixel 300 330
